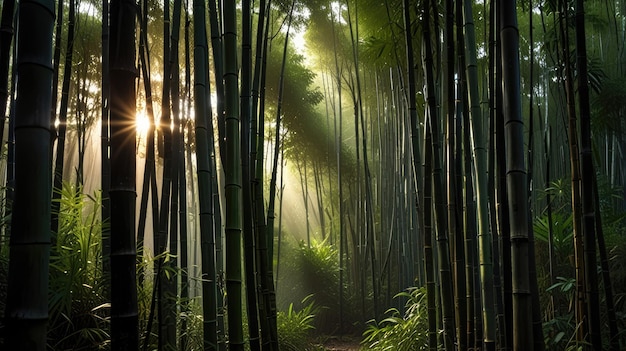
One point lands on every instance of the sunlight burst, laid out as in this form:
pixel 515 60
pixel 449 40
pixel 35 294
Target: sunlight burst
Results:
pixel 142 122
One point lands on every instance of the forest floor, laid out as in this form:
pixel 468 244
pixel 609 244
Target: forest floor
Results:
pixel 342 344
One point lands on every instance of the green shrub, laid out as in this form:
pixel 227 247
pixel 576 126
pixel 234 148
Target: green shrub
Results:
pixel 294 326
pixel 399 332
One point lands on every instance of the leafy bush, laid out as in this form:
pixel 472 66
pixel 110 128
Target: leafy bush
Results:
pixel 294 326
pixel 312 271
pixel 401 332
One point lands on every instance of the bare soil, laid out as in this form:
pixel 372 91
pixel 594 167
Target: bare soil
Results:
pixel 343 344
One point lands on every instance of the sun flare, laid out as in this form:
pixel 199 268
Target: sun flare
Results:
pixel 142 122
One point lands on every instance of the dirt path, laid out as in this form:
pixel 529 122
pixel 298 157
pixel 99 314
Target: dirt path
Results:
pixel 334 344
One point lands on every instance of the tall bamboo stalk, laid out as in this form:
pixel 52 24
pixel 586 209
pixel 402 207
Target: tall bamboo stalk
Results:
pixel 58 42
pixel 124 314
pixel 232 169
pixel 171 290
pixel 516 179
pixel 451 157
pixel 443 251
pixel 204 169
pixel 277 141
pixel 470 235
pixel 264 242
pixel 428 247
pixel 252 304
pixel 65 97
pixel 149 186
pixel 338 142
pixel 216 22
pixel 105 165
pixel 606 277
pixel 27 292
pixel 163 283
pixel 479 146
pixel 574 154
pixel 182 193
pixel 587 175
pixel 501 196
pixel 6 37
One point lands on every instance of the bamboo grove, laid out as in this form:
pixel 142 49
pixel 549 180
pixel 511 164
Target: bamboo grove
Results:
pixel 178 175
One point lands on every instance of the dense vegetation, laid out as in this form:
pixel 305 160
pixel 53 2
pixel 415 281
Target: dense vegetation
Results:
pixel 221 174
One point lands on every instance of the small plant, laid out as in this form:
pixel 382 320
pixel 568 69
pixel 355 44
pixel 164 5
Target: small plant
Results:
pixel 399 332
pixel 562 233
pixel 294 326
